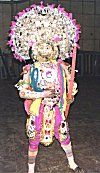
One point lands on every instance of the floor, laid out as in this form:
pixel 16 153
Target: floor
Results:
pixel 84 122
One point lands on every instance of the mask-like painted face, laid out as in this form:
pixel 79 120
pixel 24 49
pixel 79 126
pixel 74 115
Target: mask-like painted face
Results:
pixel 44 52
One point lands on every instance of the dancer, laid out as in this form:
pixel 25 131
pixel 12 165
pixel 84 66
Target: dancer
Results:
pixel 47 35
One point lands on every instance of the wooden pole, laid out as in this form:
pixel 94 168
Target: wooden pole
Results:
pixel 71 79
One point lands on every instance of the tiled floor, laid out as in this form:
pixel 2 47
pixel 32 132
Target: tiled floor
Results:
pixel 84 121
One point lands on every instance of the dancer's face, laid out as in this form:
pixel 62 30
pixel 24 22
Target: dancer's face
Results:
pixel 45 50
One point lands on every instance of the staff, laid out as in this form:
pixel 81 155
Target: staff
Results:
pixel 71 79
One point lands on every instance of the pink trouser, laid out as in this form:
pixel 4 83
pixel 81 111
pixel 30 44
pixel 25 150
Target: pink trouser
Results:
pixel 34 143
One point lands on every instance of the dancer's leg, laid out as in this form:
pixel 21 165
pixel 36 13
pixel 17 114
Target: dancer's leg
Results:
pixel 67 147
pixel 34 143
pixel 32 153
pixel 62 135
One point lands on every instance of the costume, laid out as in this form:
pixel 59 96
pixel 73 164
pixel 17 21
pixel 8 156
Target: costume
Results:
pixel 47 35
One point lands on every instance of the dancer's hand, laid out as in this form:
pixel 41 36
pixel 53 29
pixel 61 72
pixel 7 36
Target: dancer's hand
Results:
pixel 69 101
pixel 48 93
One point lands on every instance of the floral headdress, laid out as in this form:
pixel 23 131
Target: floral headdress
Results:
pixel 43 24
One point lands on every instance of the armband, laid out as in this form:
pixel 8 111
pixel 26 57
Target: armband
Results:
pixel 22 84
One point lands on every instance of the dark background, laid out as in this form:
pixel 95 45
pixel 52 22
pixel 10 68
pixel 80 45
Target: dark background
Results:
pixel 84 114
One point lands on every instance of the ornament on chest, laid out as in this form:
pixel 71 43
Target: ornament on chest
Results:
pixel 47 78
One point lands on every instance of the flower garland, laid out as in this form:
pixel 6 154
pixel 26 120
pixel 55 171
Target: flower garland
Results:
pixel 43 24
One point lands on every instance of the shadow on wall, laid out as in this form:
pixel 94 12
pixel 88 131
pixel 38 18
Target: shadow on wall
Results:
pixel 10 68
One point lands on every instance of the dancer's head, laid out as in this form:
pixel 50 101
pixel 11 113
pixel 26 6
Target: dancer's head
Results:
pixel 44 52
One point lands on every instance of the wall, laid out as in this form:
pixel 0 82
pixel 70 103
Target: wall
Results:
pixel 87 13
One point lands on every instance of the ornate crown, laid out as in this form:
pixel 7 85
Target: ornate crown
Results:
pixel 43 24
